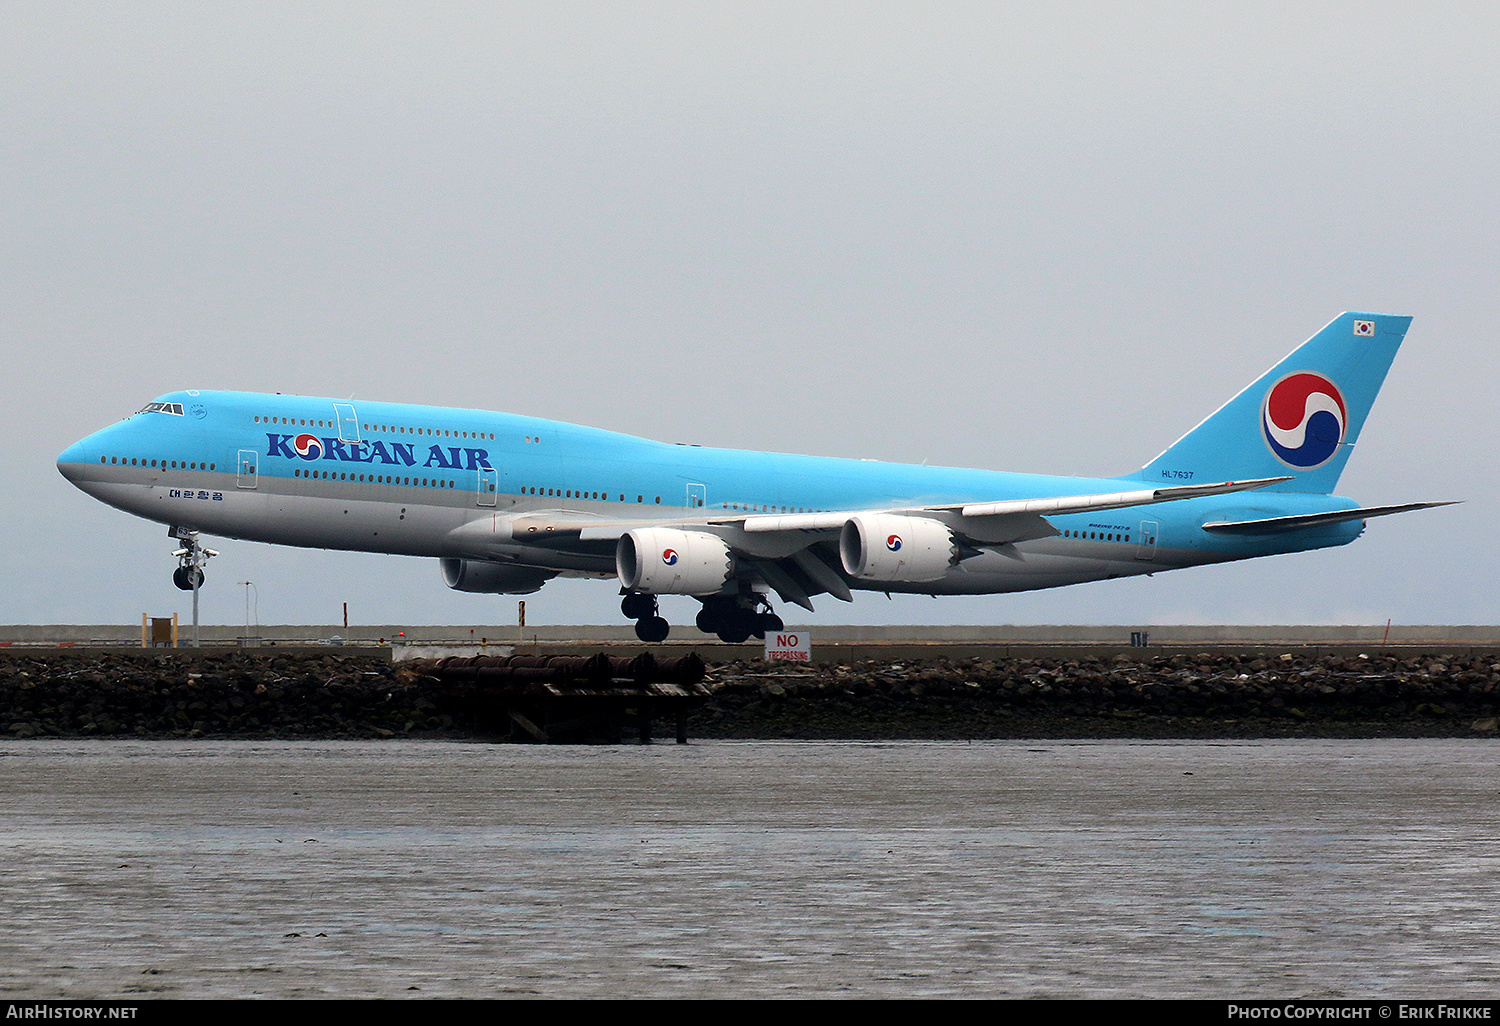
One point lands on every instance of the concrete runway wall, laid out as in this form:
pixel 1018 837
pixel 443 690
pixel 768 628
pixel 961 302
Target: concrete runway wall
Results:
pixel 1000 634
pixel 845 644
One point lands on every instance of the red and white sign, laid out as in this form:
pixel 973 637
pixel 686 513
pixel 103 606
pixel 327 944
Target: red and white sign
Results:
pixel 789 646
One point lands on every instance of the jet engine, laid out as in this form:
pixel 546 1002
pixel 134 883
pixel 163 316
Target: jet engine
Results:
pixel 895 548
pixel 478 575
pixel 666 561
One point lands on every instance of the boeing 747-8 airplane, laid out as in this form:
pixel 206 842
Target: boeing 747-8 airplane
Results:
pixel 507 502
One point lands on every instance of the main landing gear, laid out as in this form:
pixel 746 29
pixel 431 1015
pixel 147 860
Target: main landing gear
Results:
pixel 650 627
pixel 735 619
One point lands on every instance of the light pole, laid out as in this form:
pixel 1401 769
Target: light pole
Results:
pixel 248 585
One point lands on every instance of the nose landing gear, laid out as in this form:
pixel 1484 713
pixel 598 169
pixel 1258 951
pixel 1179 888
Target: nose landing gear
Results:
pixel 190 559
pixel 189 573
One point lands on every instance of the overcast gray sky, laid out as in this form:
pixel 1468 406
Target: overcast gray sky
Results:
pixel 1035 237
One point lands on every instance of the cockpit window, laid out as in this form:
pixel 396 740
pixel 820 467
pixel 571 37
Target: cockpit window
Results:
pixel 175 409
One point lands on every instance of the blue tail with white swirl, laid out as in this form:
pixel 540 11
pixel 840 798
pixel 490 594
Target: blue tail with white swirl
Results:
pixel 1300 419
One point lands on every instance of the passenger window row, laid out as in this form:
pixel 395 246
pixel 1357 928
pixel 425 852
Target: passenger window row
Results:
pixel 133 461
pixel 1097 536
pixel 751 507
pixel 415 482
pixel 569 493
pixel 393 429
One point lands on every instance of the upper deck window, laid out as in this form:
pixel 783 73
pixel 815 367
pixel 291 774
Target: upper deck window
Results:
pixel 175 409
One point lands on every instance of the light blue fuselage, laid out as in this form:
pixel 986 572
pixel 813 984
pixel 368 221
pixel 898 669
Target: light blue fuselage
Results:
pixel 424 481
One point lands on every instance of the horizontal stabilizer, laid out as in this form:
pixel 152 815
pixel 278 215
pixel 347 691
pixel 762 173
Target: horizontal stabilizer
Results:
pixel 1275 525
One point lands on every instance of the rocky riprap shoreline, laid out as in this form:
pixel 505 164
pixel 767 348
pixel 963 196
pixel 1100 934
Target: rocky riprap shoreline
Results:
pixel 1145 696
pixel 230 695
pixel 349 695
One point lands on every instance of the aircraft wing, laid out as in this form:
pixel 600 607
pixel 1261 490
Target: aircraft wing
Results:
pixel 544 526
pixel 1057 506
pixel 796 553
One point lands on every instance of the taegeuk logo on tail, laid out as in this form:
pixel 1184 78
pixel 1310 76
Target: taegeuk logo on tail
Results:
pixel 1304 420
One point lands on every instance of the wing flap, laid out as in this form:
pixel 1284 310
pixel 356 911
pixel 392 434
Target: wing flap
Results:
pixel 796 522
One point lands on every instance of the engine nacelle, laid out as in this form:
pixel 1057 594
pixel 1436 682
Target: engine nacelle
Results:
pixel 666 561
pixel 896 548
pixel 478 575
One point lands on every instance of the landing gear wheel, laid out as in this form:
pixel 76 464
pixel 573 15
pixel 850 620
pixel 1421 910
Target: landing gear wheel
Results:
pixel 190 559
pixel 637 606
pixel 187 577
pixel 652 629
pixel 718 612
pixel 736 620
pixel 736 628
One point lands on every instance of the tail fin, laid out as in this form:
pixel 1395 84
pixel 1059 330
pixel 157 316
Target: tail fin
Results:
pixel 1301 418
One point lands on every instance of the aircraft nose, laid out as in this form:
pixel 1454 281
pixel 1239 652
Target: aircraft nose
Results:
pixel 72 460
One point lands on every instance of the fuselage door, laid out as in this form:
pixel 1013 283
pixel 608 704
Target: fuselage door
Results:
pixel 489 484
pixel 1147 547
pixel 697 496
pixel 348 422
pixel 245 471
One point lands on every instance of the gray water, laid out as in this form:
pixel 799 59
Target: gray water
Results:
pixel 1277 869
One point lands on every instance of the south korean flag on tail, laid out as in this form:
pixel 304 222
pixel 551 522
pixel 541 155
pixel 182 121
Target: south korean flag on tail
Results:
pixel 1365 329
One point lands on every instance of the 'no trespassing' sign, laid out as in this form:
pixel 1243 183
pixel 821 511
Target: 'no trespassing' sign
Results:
pixel 789 647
